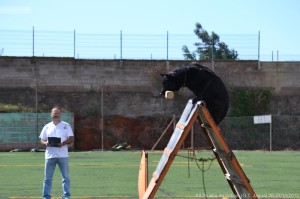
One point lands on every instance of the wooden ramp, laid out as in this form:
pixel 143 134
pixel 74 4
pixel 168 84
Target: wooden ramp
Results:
pixel 143 174
pixel 237 179
pixel 233 172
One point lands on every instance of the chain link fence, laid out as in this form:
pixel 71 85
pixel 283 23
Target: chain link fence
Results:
pixel 166 46
pixel 242 134
pixel 22 130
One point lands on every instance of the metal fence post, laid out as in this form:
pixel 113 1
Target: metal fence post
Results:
pixel 121 44
pixel 74 44
pixel 258 53
pixel 33 41
pixel 167 45
pixel 102 114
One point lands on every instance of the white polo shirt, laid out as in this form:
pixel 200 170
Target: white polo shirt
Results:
pixel 62 130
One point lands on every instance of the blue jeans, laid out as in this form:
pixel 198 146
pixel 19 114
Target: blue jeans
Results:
pixel 50 164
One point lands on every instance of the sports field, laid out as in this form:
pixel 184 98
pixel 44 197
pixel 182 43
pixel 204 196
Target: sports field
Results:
pixel 114 175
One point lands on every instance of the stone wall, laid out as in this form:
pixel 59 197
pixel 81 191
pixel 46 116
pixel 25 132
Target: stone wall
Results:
pixel 131 91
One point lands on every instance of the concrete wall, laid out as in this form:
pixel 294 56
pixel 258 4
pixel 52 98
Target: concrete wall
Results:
pixel 131 92
pixel 129 85
pixel 65 74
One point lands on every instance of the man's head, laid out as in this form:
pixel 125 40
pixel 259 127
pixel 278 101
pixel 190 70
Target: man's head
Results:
pixel 56 114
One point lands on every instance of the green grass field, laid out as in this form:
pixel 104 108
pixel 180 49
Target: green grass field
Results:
pixel 114 175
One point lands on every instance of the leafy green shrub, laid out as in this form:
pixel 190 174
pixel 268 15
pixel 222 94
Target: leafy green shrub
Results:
pixel 10 108
pixel 250 102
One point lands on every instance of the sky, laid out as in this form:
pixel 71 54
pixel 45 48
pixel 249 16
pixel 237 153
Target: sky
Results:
pixel 278 21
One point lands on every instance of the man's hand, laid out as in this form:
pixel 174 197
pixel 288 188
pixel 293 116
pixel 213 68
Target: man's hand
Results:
pixel 45 142
pixel 61 144
pixel 70 140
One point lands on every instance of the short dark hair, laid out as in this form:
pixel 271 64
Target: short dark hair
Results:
pixel 56 107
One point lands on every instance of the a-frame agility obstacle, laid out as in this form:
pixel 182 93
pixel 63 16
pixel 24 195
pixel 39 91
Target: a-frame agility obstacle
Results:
pixel 231 168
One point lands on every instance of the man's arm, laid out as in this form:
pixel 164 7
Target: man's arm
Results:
pixel 70 140
pixel 44 142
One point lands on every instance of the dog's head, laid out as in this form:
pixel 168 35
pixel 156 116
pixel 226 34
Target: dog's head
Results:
pixel 169 83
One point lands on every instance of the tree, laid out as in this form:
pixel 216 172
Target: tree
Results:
pixel 210 47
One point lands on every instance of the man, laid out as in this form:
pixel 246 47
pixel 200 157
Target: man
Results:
pixel 56 136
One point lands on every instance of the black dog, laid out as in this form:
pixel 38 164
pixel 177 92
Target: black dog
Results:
pixel 204 83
